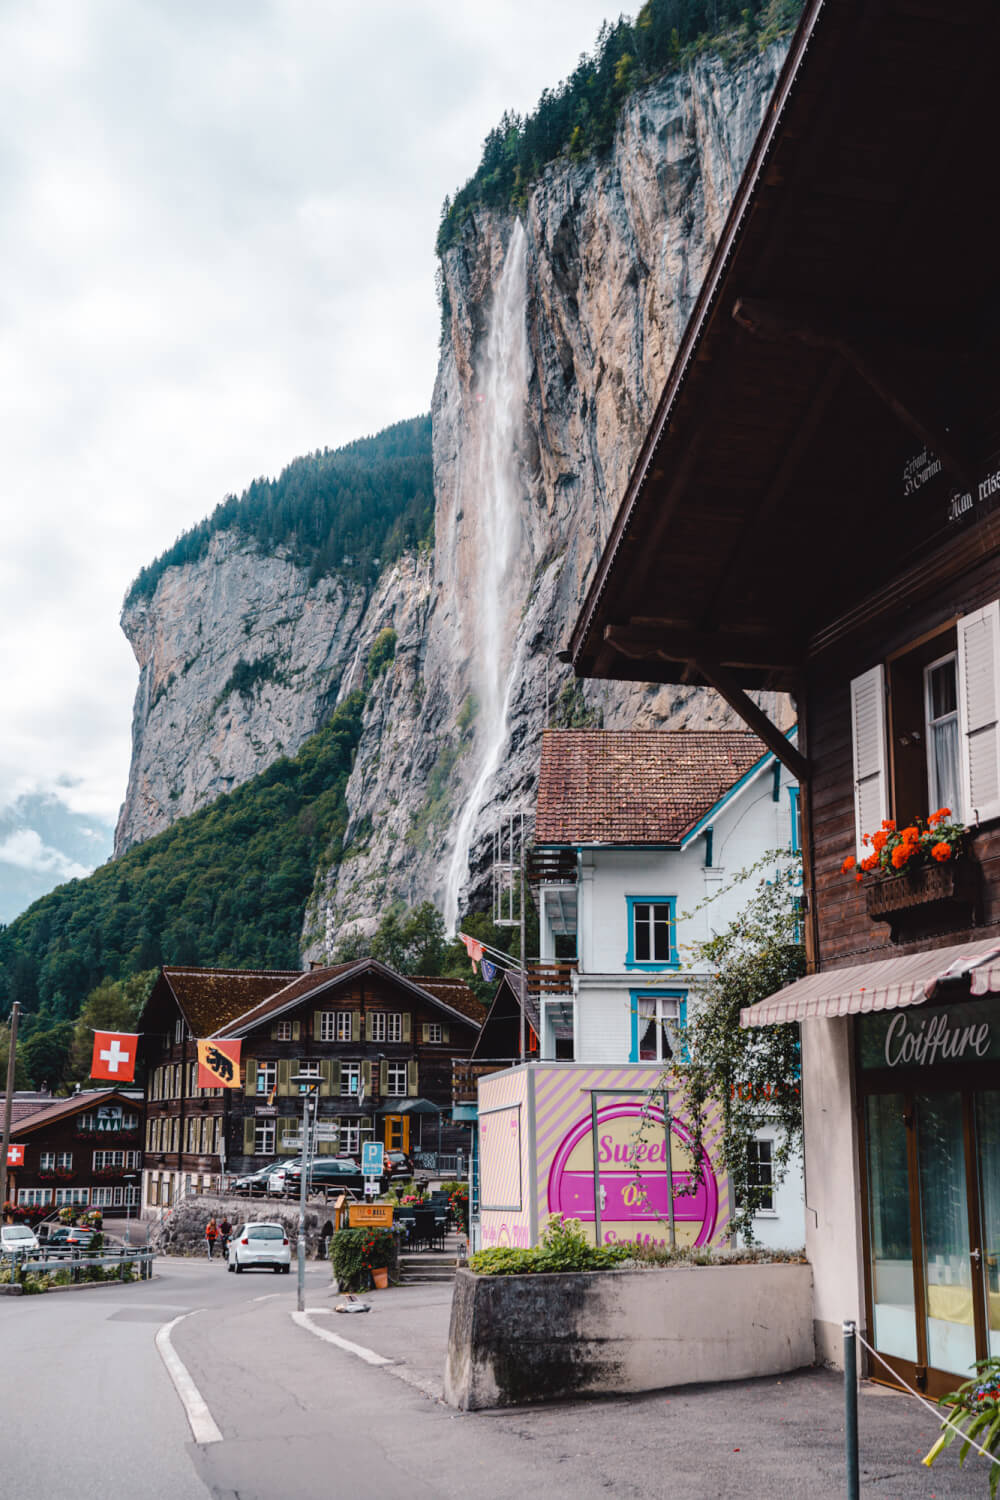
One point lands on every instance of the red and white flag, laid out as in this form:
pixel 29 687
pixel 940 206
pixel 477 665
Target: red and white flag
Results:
pixel 15 1156
pixel 114 1056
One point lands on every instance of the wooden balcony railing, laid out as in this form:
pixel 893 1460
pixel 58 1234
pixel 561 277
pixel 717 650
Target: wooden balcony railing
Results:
pixel 550 979
pixel 551 866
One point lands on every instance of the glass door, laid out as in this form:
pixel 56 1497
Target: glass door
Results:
pixel 890 1240
pixel 988 1146
pixel 949 1292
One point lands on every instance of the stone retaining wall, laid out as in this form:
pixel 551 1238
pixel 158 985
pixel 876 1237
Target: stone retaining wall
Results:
pixel 181 1231
pixel 516 1339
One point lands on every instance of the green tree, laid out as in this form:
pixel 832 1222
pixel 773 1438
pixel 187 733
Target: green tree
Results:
pixel 46 1056
pixel 752 1074
pixel 113 1006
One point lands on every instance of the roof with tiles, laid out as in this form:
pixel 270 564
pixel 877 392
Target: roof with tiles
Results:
pixel 210 999
pixel 453 993
pixel 60 1109
pixel 635 786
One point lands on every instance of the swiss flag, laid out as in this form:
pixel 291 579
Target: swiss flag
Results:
pixel 15 1156
pixel 114 1056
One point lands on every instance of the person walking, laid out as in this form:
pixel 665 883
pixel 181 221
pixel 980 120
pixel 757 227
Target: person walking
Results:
pixel 211 1235
pixel 225 1231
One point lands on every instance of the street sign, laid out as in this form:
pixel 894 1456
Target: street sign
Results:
pixel 371 1187
pixel 372 1158
pixel 327 1130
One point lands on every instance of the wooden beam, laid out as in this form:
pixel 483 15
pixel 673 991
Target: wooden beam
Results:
pixel 670 643
pixel 876 362
pixel 754 718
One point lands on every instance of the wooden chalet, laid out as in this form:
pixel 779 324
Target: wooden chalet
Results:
pixel 380 1045
pixel 81 1152
pixel 816 508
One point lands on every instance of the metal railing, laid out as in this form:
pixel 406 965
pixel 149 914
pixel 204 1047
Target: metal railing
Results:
pixel 77 1261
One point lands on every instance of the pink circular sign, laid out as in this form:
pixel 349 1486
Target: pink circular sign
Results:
pixel 632 1208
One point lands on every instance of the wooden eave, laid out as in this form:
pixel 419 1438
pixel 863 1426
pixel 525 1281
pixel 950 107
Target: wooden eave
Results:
pixel 847 319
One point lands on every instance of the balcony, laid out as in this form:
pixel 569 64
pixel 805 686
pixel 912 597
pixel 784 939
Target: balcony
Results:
pixel 465 1076
pixel 545 980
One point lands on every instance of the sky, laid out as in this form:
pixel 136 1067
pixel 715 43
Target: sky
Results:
pixel 218 221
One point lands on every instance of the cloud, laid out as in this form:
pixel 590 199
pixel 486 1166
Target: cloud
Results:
pixel 25 850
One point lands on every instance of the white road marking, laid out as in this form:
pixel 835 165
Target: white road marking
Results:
pixel 202 1422
pixel 368 1355
pixel 269 1297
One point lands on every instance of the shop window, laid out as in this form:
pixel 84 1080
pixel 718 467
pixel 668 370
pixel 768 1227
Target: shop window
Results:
pixel 651 943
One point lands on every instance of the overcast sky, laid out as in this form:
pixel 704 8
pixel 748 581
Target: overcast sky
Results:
pixel 218 221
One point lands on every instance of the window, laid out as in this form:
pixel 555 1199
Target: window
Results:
pixel 650 932
pixel 47 1161
pixel 282 1031
pixel 350 1078
pixel 334 1026
pixel 434 1032
pixel 34 1197
pixel 396 1079
pixel 309 1069
pixel 653 1016
pixel 178 1031
pixel 386 1027
pixel 349 1140
pixel 263 1138
pixel 344 1025
pixel 796 815
pixel 761 1164
pixel 926 728
pixel 105 1160
pixel 71 1195
pixel 267 1077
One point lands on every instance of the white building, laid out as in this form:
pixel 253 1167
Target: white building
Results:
pixel 640 836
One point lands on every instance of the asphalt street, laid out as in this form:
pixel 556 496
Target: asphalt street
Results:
pixel 90 1410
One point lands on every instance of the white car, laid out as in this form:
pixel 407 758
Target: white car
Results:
pixel 276 1178
pixel 260 1245
pixel 17 1239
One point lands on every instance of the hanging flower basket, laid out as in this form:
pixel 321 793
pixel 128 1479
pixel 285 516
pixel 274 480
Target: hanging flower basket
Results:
pixel 919 876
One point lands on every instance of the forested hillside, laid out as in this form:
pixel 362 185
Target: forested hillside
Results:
pixel 579 116
pixel 347 509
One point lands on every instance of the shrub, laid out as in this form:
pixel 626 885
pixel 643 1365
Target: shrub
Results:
pixel 354 1254
pixel 563 1247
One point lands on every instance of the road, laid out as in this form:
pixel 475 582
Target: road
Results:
pixel 89 1410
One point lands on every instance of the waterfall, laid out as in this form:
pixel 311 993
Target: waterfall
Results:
pixel 493 612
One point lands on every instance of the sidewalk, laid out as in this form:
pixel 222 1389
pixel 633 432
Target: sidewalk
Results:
pixel 776 1436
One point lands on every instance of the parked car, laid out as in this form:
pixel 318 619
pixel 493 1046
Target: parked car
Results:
pixel 325 1173
pixel 53 1237
pixel 398 1164
pixel 260 1244
pixel 256 1182
pixel 17 1239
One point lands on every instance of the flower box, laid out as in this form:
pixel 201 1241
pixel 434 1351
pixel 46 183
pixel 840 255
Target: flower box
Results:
pixel 927 894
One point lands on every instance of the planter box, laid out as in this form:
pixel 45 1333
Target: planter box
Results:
pixel 928 895
pixel 516 1339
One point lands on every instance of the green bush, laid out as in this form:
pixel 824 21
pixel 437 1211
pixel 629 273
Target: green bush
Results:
pixel 563 1247
pixel 355 1253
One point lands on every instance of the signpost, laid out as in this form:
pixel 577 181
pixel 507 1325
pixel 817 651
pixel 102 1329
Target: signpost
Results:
pixel 372 1158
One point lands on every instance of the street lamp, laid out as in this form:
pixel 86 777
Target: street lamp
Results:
pixel 308 1084
pixel 128 1178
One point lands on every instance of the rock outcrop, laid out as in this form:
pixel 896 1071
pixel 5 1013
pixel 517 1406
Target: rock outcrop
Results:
pixel 558 338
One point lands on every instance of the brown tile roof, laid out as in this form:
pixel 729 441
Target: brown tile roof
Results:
pixel 635 786
pixel 210 999
pixel 59 1109
pixel 454 993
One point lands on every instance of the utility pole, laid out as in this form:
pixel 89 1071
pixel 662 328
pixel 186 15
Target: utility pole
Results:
pixel 8 1103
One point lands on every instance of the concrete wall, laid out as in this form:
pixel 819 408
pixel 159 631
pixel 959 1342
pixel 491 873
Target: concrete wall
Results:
pixel 516 1339
pixel 833 1190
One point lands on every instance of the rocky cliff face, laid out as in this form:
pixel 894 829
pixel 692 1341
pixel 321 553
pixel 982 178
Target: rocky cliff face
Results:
pixel 614 252
pixel 559 336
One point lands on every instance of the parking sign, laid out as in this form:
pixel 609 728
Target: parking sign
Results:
pixel 372 1158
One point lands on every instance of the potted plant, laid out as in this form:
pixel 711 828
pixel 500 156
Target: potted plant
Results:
pixel 921 870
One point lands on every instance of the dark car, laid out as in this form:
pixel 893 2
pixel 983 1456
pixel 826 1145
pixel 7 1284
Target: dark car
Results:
pixel 399 1164
pixel 328 1174
pixel 255 1182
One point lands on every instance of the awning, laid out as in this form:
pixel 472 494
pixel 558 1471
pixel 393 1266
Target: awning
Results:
pixel 409 1107
pixel 887 984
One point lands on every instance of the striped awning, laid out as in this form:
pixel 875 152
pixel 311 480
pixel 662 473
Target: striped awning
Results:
pixel 887 984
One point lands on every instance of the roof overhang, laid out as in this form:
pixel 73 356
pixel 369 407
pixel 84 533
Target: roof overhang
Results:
pixel 888 984
pixel 842 325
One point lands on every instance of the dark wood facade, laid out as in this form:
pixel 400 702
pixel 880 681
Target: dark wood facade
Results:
pixel 80 1152
pixel 371 1038
pixel 821 487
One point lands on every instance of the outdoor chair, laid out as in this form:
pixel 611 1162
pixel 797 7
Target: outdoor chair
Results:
pixel 428 1229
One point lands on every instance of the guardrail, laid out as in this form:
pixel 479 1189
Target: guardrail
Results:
pixel 78 1261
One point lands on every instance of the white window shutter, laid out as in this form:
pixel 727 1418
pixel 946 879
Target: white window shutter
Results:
pixel 871 792
pixel 979 712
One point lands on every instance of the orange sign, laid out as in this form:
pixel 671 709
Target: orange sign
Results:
pixel 377 1215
